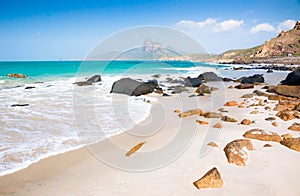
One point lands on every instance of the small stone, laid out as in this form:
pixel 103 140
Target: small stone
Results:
pixel 201 122
pixel 246 122
pixel 292 143
pixel 270 118
pixel 213 115
pixel 230 87
pixel 134 149
pixel 254 112
pixel 228 119
pixel 218 126
pixel 191 112
pixel 268 108
pixel 177 111
pixel 244 86
pixel 275 124
pixel 260 93
pixel 222 110
pixel 295 127
pixel 267 145
pixel 212 144
pixel 249 95
pixel 212 179
pixel 231 103
pixel 260 134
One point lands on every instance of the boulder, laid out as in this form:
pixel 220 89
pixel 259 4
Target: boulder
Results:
pixel 256 78
pixel 236 153
pixel 131 87
pixel 212 179
pixel 17 75
pixel 244 86
pixel 295 127
pixel 203 89
pixel 292 78
pixel 228 119
pixel 210 77
pixel 260 134
pixel 292 143
pixel 178 89
pixel 90 81
pixel 286 90
pixel 192 82
pixel 191 112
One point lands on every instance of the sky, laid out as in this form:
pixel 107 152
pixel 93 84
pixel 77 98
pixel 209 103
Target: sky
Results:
pixel 51 30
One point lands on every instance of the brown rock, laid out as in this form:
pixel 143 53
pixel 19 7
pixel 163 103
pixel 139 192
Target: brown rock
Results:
pixel 134 149
pixel 249 95
pixel 292 143
pixel 222 110
pixel 275 124
pixel 213 115
pixel 246 122
pixel 218 126
pixel 191 112
pixel 236 151
pixel 177 111
pixel 268 108
pixel 212 144
pixel 228 119
pixel 270 118
pixel 212 179
pixel 295 127
pixel 254 112
pixel 201 122
pixel 260 93
pixel 230 87
pixel 287 135
pixel 244 86
pixel 286 115
pixel 17 75
pixel 291 91
pixel 231 103
pixel 267 145
pixel 203 89
pixel 260 134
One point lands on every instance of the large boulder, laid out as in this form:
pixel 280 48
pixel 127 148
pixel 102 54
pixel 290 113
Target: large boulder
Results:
pixel 131 87
pixel 236 151
pixel 292 78
pixel 210 77
pixel 212 179
pixel 286 90
pixel 90 81
pixel 192 82
pixel 292 143
pixel 256 78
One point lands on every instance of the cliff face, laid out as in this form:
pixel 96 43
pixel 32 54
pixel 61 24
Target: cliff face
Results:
pixel 285 44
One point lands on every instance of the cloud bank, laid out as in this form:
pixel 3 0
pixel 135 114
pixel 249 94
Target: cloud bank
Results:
pixel 267 27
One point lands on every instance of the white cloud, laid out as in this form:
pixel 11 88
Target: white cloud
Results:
pixel 286 25
pixel 266 27
pixel 210 24
pixel 263 27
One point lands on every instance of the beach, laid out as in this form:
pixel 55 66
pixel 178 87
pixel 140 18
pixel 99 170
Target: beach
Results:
pixel 175 153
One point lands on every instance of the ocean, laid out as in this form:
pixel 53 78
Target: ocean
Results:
pixel 47 126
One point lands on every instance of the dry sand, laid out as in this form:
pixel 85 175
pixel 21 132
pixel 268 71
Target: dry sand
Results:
pixel 177 146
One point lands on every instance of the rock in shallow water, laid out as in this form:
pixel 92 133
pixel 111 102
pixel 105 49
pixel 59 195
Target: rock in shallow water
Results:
pixel 292 78
pixel 256 78
pixel 131 87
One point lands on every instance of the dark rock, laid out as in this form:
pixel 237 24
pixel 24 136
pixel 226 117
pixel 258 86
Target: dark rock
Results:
pixel 152 84
pixel 166 95
pixel 228 80
pixel 178 89
pixel 210 76
pixel 90 81
pixel 256 78
pixel 156 76
pixel 19 105
pixel 270 71
pixel 192 82
pixel 29 87
pixel 203 89
pixel 131 87
pixel 292 78
pixel 260 93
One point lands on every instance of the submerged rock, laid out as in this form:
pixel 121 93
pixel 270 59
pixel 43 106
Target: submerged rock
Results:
pixel 17 75
pixel 90 81
pixel 212 179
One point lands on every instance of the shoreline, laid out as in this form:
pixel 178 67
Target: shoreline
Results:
pixel 79 172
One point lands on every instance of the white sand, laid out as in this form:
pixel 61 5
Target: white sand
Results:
pixel 269 171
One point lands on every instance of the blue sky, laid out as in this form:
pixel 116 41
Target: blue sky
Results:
pixel 50 30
